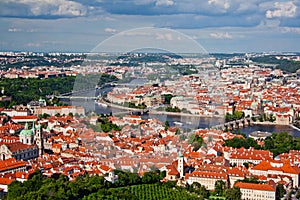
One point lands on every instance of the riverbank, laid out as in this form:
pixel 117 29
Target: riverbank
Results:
pixel 294 127
pixel 188 122
pixel 121 107
pixel 273 123
pixel 264 123
pixel 154 112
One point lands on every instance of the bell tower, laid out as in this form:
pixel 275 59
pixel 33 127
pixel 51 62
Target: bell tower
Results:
pixel 39 138
pixel 180 167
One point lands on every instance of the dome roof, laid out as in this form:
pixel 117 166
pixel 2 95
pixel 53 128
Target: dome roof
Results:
pixel 27 132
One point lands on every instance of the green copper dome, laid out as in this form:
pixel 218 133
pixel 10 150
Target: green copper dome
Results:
pixel 26 131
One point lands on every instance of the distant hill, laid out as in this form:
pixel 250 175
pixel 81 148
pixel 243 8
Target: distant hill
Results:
pixel 283 64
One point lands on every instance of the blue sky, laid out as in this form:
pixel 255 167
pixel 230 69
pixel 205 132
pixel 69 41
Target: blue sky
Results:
pixel 218 25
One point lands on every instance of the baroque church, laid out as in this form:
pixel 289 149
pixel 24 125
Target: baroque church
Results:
pixel 29 146
pixel 178 169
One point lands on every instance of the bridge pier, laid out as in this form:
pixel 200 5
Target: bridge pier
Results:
pixel 233 125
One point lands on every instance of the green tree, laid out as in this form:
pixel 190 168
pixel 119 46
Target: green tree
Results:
pixel 272 118
pixel 298 195
pixel 167 98
pixel 246 165
pixel 220 187
pixel 280 191
pixel 235 116
pixel 196 141
pixel 167 125
pixel 170 109
pixel 233 194
pixel 281 143
pixel 16 190
pixel 269 143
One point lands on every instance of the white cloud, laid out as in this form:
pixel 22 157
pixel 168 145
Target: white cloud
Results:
pixel 291 30
pixel 164 3
pixel 224 4
pixel 270 23
pixel 282 9
pixel 221 35
pixel 110 30
pixel 14 30
pixel 69 8
pixel 50 7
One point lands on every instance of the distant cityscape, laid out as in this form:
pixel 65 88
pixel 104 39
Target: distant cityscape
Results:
pixel 44 137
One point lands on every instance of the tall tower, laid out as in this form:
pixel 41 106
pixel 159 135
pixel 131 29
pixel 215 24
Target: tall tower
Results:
pixel 39 139
pixel 180 167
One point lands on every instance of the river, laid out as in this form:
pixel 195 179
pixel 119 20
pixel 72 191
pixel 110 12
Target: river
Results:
pixel 184 121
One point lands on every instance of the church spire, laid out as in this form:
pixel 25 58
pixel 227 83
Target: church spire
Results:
pixel 26 126
pixel 180 166
pixel 180 154
pixel 33 126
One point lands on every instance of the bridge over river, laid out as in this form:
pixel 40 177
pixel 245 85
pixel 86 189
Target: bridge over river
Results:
pixel 85 94
pixel 92 93
pixel 233 125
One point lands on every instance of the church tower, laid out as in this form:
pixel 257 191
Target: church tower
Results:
pixel 180 167
pixel 39 138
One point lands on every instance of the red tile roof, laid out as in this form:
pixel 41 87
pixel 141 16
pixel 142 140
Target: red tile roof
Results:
pixel 11 163
pixel 213 175
pixel 255 186
pixel 286 168
pixel 17 146
pixel 5 181
pixel 24 117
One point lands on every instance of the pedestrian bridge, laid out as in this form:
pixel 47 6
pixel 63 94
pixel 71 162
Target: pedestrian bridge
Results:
pixel 233 125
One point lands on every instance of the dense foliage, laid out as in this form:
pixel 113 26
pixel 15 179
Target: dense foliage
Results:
pixel 90 81
pixel 220 187
pixel 280 191
pixel 46 60
pixel 264 117
pixel 281 143
pixel 283 64
pixel 147 57
pixel 103 124
pixel 238 142
pixel 184 69
pixel 171 109
pixel 167 98
pixel 199 189
pixel 132 105
pixel 196 141
pixel 23 90
pixel 128 186
pixel 277 143
pixel 143 192
pixel 235 116
pixel 233 193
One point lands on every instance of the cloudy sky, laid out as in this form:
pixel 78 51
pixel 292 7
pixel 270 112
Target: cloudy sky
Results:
pixel 217 25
